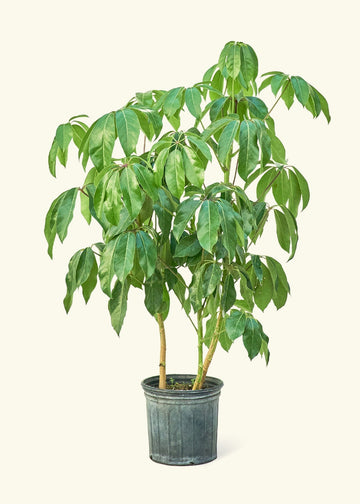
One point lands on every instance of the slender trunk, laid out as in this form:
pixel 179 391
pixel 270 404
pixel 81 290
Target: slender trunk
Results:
pixel 162 364
pixel 210 353
pixel 200 351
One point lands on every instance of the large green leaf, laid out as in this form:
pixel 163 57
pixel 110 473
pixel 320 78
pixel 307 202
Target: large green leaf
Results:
pixel 154 293
pixel 228 227
pixel 304 188
pixel 280 188
pixel 282 230
pixel 64 135
pixel 249 150
pixel 226 140
pixel 264 291
pixel 229 293
pixel 196 289
pixel 106 268
pixel 173 101
pixel 128 129
pixel 294 193
pixel 193 101
pixel 211 280
pixel 233 60
pixel 52 157
pixel 257 107
pixel 146 179
pixel 175 173
pixel 159 166
pixel 113 202
pixel 146 253
pixel 184 213
pixel 89 285
pixel 85 265
pixel 124 254
pixel 252 337
pixel 199 143
pixel 133 198
pixel 188 246
pixel 324 104
pixel 118 304
pixel 193 166
pixel 101 141
pixel 235 324
pixel 65 212
pixel 249 63
pixel 215 126
pixel 301 89
pixel 208 225
pixel 71 280
pixel 50 223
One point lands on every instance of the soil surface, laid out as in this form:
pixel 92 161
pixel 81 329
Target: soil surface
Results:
pixel 179 386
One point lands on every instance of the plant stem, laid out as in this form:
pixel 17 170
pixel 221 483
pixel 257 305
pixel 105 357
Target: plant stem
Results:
pixel 200 351
pixel 210 353
pixel 277 101
pixel 162 365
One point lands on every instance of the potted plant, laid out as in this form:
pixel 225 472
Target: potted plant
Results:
pixel 166 230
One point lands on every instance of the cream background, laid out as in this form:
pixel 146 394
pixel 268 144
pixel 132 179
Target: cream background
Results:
pixel 73 426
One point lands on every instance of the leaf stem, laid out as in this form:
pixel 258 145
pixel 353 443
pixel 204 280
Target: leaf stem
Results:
pixel 277 101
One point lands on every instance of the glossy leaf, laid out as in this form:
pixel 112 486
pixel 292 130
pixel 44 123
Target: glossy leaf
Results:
pixel 146 252
pixel 301 89
pixel 89 285
pixel 154 293
pixel 193 166
pixel 175 173
pixel 184 213
pixel 324 105
pixel 193 101
pixel 71 280
pixel 252 337
pixel 208 225
pixel 257 107
pixel 280 188
pixel 257 267
pixel 146 179
pixel 235 324
pixel 133 198
pixel 101 141
pixel 229 293
pixel 249 63
pixel 287 94
pixel 173 101
pixel 159 166
pixel 226 140
pixel 282 230
pixel 65 212
pixel 85 265
pixel 294 193
pixel 118 305
pixel 264 291
pixel 249 150
pixel 188 246
pixel 128 130
pixel 106 268
pixel 64 135
pixel 124 254
pixel 197 142
pixel 196 289
pixel 211 279
pixel 228 227
pixel 304 188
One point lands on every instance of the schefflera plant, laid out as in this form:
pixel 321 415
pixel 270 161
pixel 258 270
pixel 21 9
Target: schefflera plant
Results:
pixel 163 227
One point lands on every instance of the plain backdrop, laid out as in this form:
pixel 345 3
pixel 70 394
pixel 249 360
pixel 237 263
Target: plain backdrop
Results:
pixel 73 423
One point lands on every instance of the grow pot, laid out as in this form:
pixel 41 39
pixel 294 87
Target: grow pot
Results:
pixel 182 424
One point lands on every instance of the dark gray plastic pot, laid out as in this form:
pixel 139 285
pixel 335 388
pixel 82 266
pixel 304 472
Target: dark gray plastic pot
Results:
pixel 182 425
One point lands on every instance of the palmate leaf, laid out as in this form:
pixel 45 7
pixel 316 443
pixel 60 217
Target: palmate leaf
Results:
pixel 235 324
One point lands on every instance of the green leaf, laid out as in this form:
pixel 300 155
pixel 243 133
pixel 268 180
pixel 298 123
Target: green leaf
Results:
pixel 282 230
pixel 124 254
pixel 78 134
pixel 132 195
pixel 324 105
pixel 173 101
pixel 175 173
pixel 263 186
pixel 147 180
pixel 226 140
pixel 249 150
pixel 65 212
pixel 118 305
pixel 215 126
pixel 228 226
pixel 277 148
pixel 85 265
pixel 264 291
pixel 217 106
pixel 294 193
pixel 301 89
pixel 235 324
pixel 156 122
pixel 249 63
pixel 128 129
pixel 89 285
pixel 208 225
pixel 193 166
pixel 184 213
pixel 52 157
pixel 101 141
pixel 71 281
pixel 287 94
pixel 304 188
pixel 256 264
pixel 257 107
pixel 196 289
pixel 197 142
pixel 293 230
pixel 164 212
pixel 212 277
pixel 233 61
pixel 229 293
pixel 113 203
pixel 146 252
pixel 193 101
pixel 188 246
pixel 252 337
pixel 154 293
pixel 50 223
pixel 160 165
pixel 280 188
pixel 100 193
pixel 63 136
pixel 106 268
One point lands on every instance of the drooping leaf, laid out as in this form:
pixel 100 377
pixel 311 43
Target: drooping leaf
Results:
pixel 249 150
pixel 282 230
pixel 188 246
pixel 252 337
pixel 208 225
pixel 106 268
pixel 147 181
pixel 146 252
pixel 128 129
pixel 132 195
pixel 184 213
pixel 85 265
pixel 118 304
pixel 193 166
pixel 257 107
pixel 304 188
pixel 211 279
pixel 71 280
pixel 175 173
pixel 249 63
pixel 235 324
pixel 280 188
pixel 301 89
pixel 173 101
pixel 228 227
pixel 65 212
pixel 226 140
pixel 159 166
pixel 154 293
pixel 229 293
pixel 124 254
pixel 101 141
pixel 294 193
pixel 63 136
pixel 257 266
pixel 193 101
pixel 324 104
pixel 264 291
pixel 196 289
pixel 89 285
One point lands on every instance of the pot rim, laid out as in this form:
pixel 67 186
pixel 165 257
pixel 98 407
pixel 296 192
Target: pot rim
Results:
pixel 150 386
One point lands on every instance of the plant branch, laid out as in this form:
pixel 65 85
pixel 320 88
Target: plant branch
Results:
pixel 210 353
pixel 162 364
pixel 277 101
